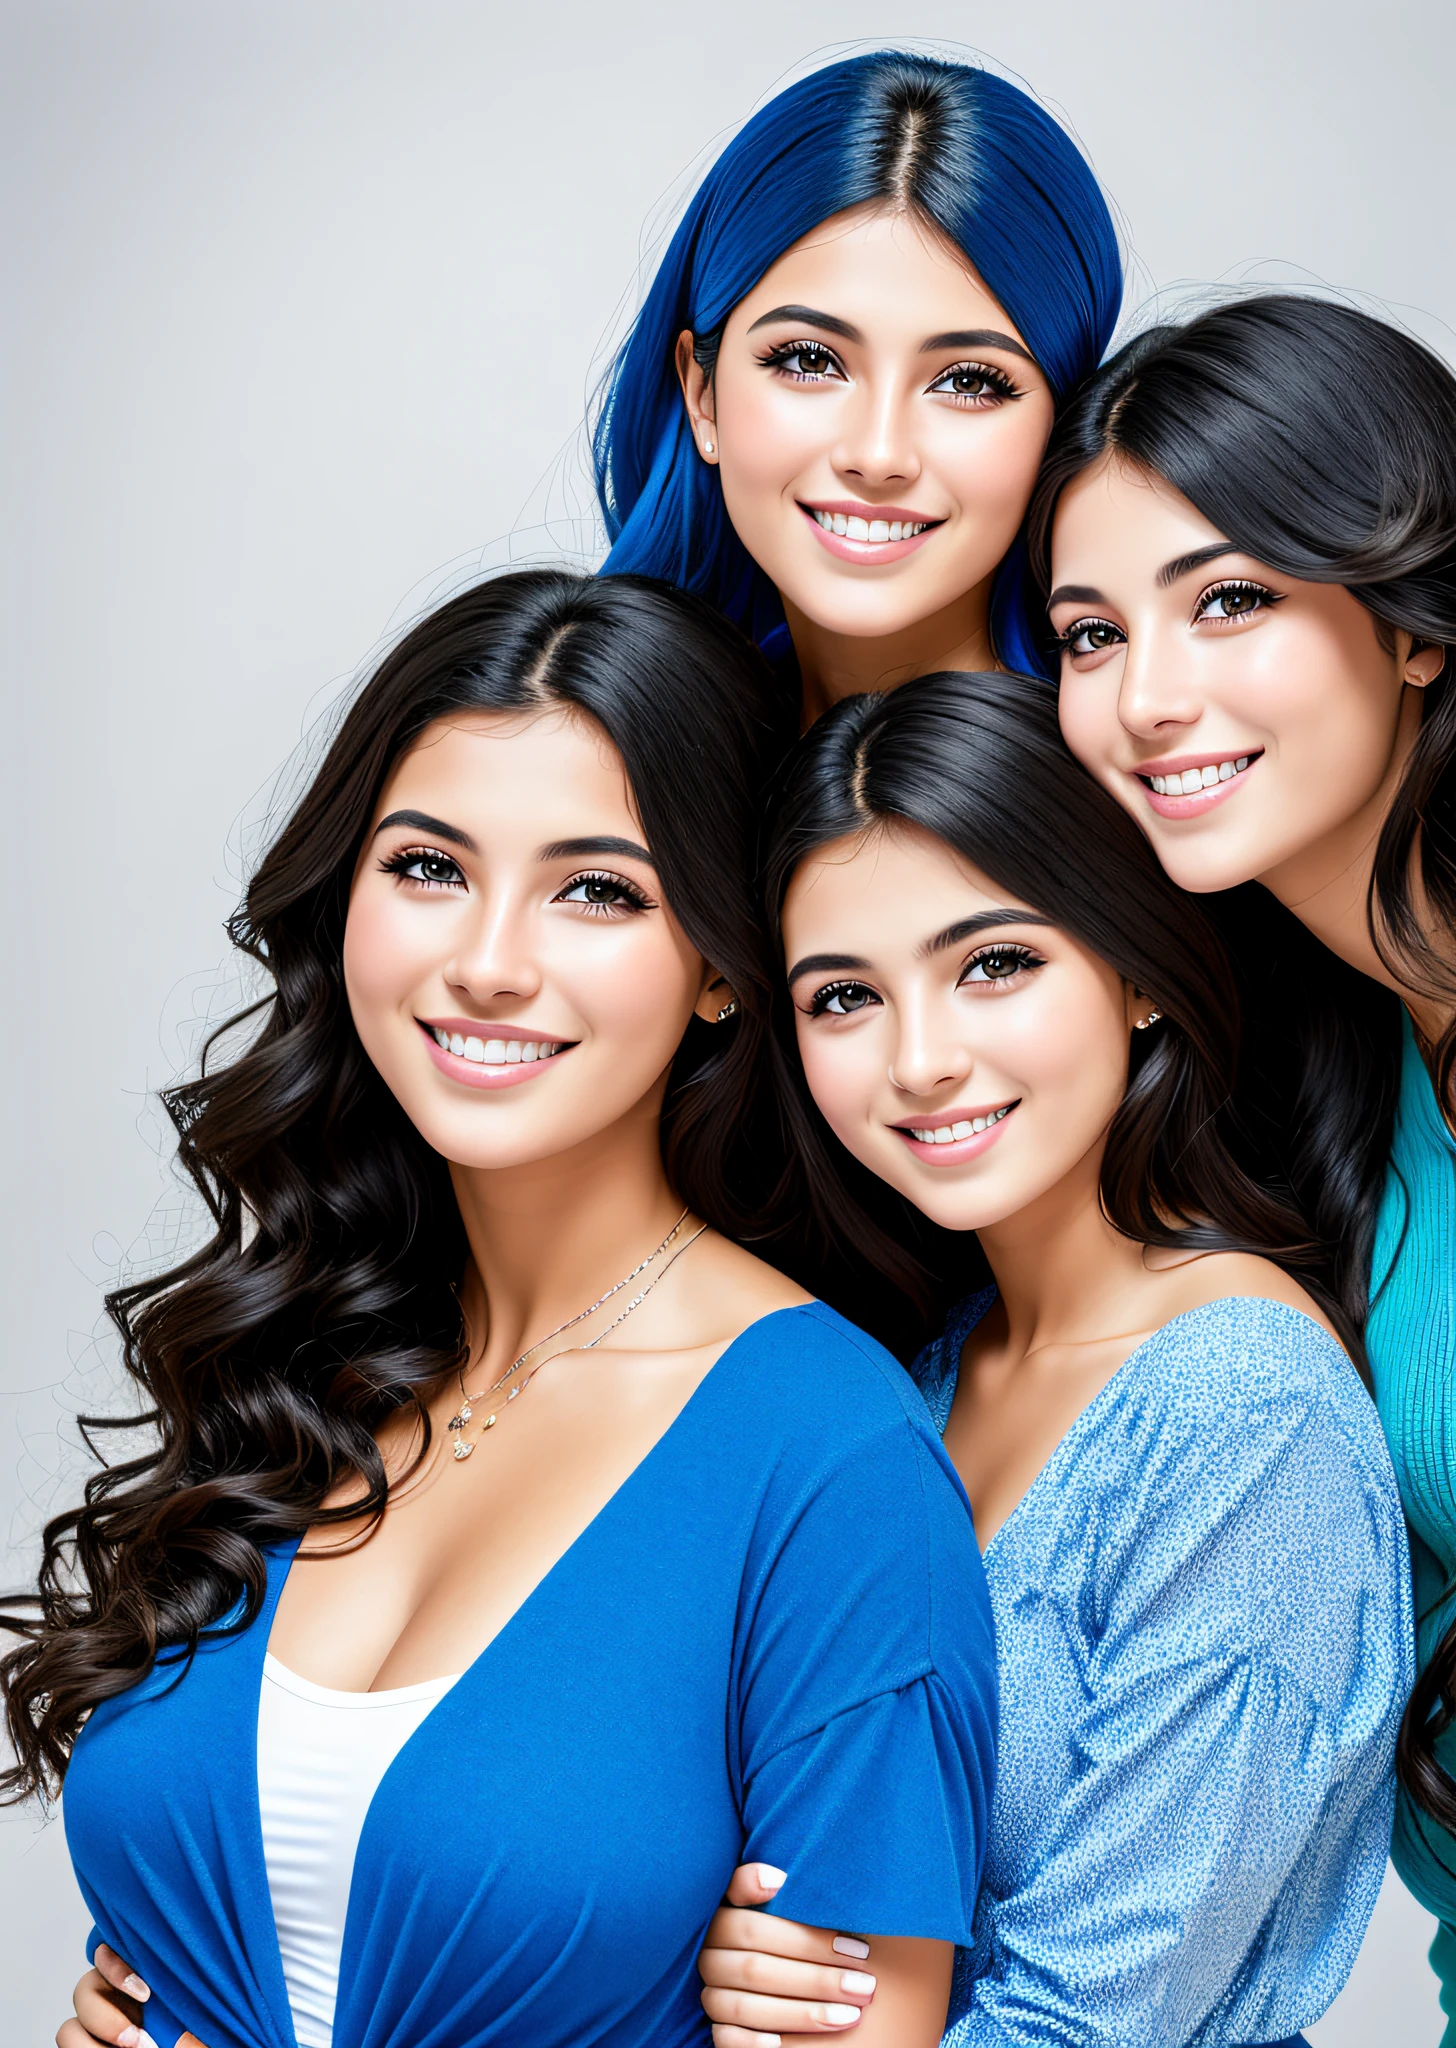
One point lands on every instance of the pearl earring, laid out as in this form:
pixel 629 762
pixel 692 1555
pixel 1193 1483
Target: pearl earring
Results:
pixel 707 447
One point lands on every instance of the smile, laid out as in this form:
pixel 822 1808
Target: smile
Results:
pixel 958 1137
pixel 1185 789
pixel 499 1061
pixel 869 533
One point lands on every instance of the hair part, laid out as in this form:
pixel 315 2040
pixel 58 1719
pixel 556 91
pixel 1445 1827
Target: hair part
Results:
pixel 325 1300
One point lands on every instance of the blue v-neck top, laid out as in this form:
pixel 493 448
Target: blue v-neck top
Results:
pixel 774 1642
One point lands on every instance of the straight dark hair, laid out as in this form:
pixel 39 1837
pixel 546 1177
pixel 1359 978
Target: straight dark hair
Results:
pixel 979 762
pixel 1323 442
pixel 325 1300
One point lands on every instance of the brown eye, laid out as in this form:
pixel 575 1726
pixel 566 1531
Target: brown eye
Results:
pixel 1235 601
pixel 1000 964
pixel 1091 636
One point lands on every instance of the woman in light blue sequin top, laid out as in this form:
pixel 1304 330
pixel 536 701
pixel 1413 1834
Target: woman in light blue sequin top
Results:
pixel 1190 1525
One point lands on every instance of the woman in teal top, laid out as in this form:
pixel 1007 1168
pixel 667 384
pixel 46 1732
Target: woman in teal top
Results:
pixel 1246 530
pixel 1412 1341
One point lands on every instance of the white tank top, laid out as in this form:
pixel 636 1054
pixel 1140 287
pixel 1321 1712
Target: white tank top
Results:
pixel 321 1755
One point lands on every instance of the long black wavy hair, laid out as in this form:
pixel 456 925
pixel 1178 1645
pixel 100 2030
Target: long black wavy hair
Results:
pixel 1323 442
pixel 325 1300
pixel 979 762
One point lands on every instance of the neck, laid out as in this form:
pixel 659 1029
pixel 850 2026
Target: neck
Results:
pixel 1061 1270
pixel 547 1238
pixel 835 665
pixel 1327 885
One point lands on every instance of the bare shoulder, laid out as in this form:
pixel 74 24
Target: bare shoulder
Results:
pixel 1219 1276
pixel 740 1289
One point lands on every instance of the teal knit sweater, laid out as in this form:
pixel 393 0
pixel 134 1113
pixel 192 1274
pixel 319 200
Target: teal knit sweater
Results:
pixel 1411 1339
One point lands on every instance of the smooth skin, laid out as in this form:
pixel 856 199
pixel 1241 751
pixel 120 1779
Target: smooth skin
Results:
pixel 870 371
pixel 962 1002
pixel 506 883
pixel 1178 649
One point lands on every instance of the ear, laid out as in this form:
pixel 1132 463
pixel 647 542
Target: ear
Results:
pixel 1423 663
pixel 697 391
pixel 714 998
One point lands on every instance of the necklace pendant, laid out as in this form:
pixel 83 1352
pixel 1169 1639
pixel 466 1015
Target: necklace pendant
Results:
pixel 489 1422
pixel 458 1421
pixel 513 1393
pixel 461 1448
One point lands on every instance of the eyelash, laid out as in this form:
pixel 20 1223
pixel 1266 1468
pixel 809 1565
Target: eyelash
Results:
pixel 1024 956
pixel 821 998
pixel 400 863
pixel 1236 584
pixel 1231 585
pixel 634 900
pixel 407 857
pixel 783 354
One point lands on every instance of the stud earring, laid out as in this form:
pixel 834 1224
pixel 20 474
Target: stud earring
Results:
pixel 707 447
pixel 728 1010
pixel 1143 1022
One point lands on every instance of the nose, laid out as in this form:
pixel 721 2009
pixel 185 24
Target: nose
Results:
pixel 931 1050
pixel 498 957
pixel 1157 688
pixel 877 445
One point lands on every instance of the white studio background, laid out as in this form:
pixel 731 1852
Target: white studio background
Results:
pixel 300 304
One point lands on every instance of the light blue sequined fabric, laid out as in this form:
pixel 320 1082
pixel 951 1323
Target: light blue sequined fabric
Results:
pixel 1204 1645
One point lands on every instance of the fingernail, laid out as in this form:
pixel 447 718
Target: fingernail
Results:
pixel 855 1980
pixel 841 2015
pixel 135 1988
pixel 127 2038
pixel 771 1879
pixel 847 1945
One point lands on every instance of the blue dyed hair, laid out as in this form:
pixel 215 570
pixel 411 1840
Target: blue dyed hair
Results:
pixel 962 148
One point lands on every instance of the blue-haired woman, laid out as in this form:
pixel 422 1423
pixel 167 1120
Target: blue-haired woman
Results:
pixel 829 414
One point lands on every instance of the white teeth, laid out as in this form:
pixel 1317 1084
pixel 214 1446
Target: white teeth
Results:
pixel 1208 777
pixel 951 1134
pixel 1192 779
pixel 494 1052
pixel 1242 763
pixel 1226 771
pixel 874 531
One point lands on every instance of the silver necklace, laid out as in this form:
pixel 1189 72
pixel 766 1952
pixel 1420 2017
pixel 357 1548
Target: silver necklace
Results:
pixel 462 1445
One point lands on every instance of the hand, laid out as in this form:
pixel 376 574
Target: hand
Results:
pixel 109 2001
pixel 764 1977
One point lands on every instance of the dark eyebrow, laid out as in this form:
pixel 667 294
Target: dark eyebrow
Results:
pixel 983 921
pixel 1075 593
pixel 826 963
pixel 805 316
pixel 978 337
pixel 421 821
pixel 1181 564
pixel 578 849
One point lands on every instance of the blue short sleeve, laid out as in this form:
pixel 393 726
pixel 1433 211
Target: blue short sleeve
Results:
pixel 867 1668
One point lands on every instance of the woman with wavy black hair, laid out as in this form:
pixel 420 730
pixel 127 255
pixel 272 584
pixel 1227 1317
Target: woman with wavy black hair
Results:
pixel 1247 532
pixel 1007 1015
pixel 502 1510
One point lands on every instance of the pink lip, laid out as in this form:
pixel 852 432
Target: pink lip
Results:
pixel 866 553
pixel 1197 801
pixel 471 1075
pixel 963 1148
